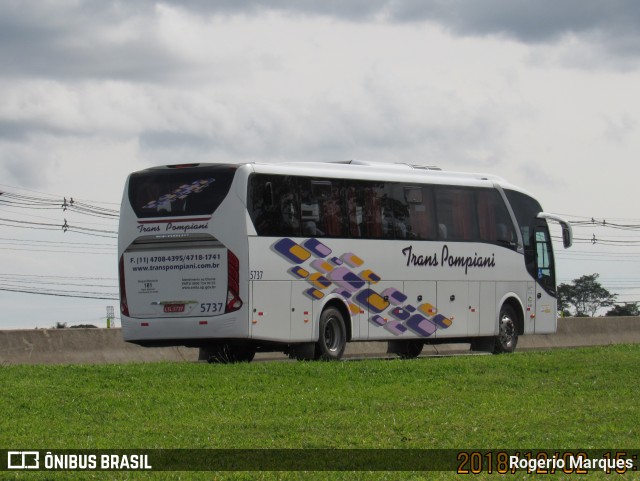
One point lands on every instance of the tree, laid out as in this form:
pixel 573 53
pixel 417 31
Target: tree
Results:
pixel 586 295
pixel 626 309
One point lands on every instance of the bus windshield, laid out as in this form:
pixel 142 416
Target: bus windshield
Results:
pixel 170 192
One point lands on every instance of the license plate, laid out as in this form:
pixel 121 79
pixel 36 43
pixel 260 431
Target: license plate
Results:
pixel 171 308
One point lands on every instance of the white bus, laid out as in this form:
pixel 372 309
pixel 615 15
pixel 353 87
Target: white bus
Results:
pixel 302 258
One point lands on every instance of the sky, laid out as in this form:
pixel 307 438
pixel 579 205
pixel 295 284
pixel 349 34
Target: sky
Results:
pixel 544 94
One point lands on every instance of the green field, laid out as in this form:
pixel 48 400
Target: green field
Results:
pixel 563 399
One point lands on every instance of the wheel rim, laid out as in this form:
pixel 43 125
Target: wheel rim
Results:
pixel 332 335
pixel 507 330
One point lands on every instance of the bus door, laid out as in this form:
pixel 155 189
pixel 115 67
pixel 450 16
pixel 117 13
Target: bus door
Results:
pixel 545 291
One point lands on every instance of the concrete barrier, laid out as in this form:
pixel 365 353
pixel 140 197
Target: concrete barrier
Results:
pixel 586 331
pixel 81 346
pixel 98 346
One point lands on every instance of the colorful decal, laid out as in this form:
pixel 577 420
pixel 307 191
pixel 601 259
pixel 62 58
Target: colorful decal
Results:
pixel 394 327
pixel 314 293
pixel 319 281
pixel 337 261
pixel 342 292
pixel 370 276
pixel 317 248
pixel 427 309
pixel 181 193
pixel 299 272
pixel 354 309
pixel 442 321
pixel 400 314
pixel 394 295
pixel 352 259
pixel 372 300
pixel 292 251
pixel 388 309
pixel 421 325
pixel 346 279
pixel 322 266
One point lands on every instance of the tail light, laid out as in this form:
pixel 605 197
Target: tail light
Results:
pixel 124 306
pixel 233 283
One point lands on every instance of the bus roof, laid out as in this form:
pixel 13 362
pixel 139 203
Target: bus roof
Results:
pixel 366 170
pixel 379 171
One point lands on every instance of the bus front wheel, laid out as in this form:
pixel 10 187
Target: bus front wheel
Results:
pixel 332 337
pixel 507 338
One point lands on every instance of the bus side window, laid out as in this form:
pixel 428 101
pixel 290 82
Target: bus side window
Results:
pixel 419 204
pixel 373 210
pixel 494 224
pixel 267 195
pixel 286 191
pixel 456 213
pixel 355 208
pixel 274 206
pixel 321 208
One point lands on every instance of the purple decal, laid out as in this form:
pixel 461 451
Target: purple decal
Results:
pixel 355 309
pixel 316 263
pixel 314 293
pixel 342 292
pixel 428 309
pixel 351 259
pixel 322 266
pixel 421 325
pixel 319 281
pixel 394 327
pixel 442 321
pixel 299 272
pixel 317 248
pixel 346 279
pixel 337 261
pixel 370 276
pixel 372 300
pixel 400 314
pixel 394 295
pixel 292 251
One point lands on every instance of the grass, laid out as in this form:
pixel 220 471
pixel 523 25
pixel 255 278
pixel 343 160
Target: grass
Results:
pixel 562 399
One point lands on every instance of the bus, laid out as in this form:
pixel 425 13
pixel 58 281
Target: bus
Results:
pixel 302 258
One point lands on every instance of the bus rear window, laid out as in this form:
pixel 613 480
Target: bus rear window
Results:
pixel 171 192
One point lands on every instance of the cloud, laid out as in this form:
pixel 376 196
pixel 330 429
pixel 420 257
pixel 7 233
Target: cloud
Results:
pixel 79 40
pixel 108 39
pixel 523 20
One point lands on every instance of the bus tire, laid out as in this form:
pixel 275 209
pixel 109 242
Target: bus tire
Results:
pixel 405 349
pixel 332 338
pixel 226 354
pixel 507 338
pixel 303 352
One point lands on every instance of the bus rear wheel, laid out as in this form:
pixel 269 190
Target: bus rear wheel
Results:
pixel 227 354
pixel 507 338
pixel 332 338
pixel 405 349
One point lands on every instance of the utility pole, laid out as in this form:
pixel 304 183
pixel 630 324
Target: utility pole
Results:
pixel 110 320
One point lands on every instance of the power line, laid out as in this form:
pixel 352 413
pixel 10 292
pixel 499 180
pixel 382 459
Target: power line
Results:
pixel 78 295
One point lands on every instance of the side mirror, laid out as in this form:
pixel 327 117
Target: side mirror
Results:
pixel 567 237
pixel 567 232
